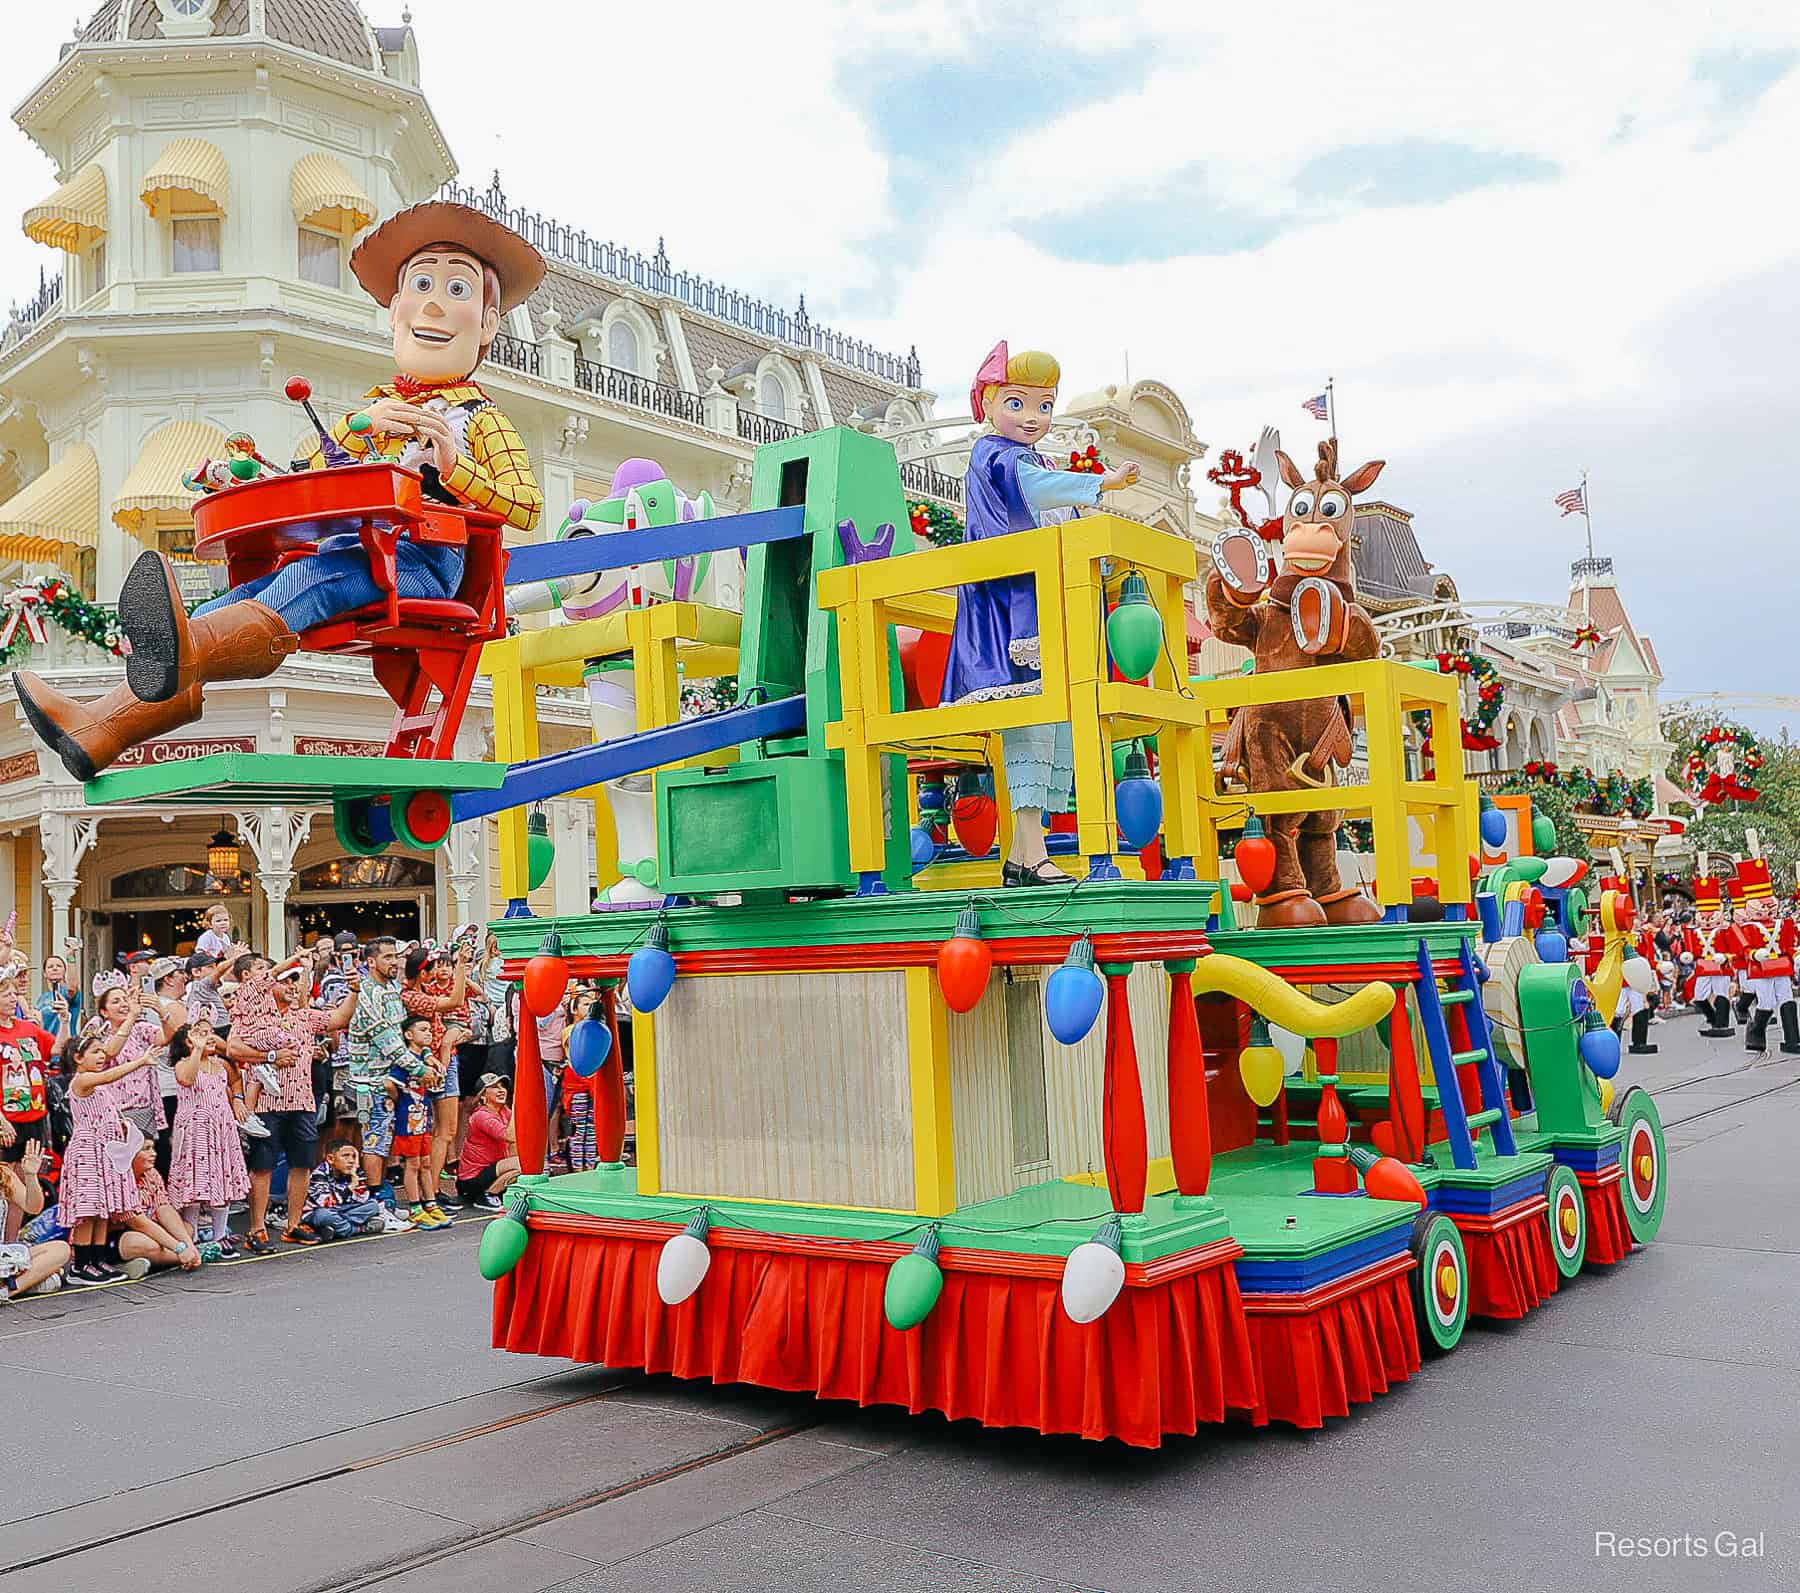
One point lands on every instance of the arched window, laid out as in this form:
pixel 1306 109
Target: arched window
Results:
pixel 771 397
pixel 622 347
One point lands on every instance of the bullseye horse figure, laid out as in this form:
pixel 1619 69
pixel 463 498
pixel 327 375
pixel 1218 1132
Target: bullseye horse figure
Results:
pixel 1305 615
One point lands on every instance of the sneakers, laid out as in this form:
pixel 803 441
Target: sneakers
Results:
pixel 90 1275
pixel 490 1203
pixel 427 1217
pixel 393 1222
pixel 258 1242
pixel 137 1268
pixel 49 1286
pixel 444 1219
pixel 227 1247
pixel 253 1127
pixel 302 1233
pixel 268 1078
pixel 210 1252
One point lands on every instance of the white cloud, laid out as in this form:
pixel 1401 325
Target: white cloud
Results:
pixel 1489 346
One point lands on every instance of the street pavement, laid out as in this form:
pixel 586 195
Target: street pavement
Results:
pixel 334 1419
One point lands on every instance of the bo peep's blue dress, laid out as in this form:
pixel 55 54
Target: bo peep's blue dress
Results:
pixel 994 649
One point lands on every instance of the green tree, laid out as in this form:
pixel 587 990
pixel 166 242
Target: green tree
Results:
pixel 1775 815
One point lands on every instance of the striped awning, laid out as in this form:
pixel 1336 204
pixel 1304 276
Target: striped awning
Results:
pixel 154 484
pixel 57 513
pixel 74 217
pixel 190 177
pixel 325 196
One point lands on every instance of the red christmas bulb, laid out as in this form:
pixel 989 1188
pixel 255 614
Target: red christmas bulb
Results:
pixel 976 819
pixel 964 962
pixel 546 977
pixel 1255 856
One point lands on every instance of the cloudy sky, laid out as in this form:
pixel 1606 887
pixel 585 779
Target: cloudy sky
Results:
pixel 1525 242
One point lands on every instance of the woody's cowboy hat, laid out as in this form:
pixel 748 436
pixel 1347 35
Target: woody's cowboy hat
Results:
pixel 377 260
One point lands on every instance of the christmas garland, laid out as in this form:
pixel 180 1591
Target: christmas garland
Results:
pixel 49 598
pixel 1700 772
pixel 1490 696
pixel 938 525
pixel 1614 794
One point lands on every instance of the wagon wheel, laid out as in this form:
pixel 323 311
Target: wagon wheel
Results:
pixel 421 818
pixel 1440 1282
pixel 1568 1220
pixel 362 827
pixel 1645 1161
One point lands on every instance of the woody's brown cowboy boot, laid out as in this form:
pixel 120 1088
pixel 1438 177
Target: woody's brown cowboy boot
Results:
pixel 171 652
pixel 87 736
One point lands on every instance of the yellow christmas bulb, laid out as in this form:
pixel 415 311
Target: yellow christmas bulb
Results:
pixel 1261 1068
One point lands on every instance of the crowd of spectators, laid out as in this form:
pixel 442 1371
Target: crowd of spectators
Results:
pixel 349 1089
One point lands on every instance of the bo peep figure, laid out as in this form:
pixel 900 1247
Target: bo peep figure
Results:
pixel 994 648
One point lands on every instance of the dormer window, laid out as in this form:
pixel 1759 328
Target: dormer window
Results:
pixel 186 19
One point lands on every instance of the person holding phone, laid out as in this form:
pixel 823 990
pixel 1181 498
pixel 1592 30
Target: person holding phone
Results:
pixel 25 1053
pixel 60 1000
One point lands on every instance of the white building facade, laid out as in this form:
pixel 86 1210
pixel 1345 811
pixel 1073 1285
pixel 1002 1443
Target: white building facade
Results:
pixel 214 163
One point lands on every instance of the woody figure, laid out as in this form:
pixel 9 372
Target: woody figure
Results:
pixel 447 274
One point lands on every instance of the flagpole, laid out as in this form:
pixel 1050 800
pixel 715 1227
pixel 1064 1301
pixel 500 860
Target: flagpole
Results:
pixel 1331 405
pixel 1586 515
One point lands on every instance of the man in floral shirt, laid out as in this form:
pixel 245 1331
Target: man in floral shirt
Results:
pixel 272 1023
pixel 25 1053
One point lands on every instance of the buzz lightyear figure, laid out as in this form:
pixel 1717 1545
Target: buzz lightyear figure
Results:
pixel 641 495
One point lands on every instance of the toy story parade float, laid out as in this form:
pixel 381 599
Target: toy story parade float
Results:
pixel 1215 1118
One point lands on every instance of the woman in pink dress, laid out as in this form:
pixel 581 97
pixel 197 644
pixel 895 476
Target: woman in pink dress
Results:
pixel 206 1158
pixel 136 1094
pixel 97 1181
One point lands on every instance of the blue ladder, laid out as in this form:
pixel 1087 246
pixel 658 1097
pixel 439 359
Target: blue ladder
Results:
pixel 1464 991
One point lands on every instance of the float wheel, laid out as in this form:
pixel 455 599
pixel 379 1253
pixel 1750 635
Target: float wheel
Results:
pixel 362 830
pixel 421 818
pixel 1440 1282
pixel 1568 1220
pixel 1645 1162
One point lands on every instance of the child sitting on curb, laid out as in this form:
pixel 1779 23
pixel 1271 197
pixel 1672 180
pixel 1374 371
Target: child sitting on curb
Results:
pixel 338 1202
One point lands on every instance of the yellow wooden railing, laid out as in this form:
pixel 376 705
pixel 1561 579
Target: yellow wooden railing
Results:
pixel 1070 565
pixel 668 643
pixel 1067 565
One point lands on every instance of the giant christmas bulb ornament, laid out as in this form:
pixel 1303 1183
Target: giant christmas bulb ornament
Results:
pixel 1254 855
pixel 914 1283
pixel 975 818
pixel 1386 1177
pixel 1094 1274
pixel 503 1242
pixel 1134 630
pixel 540 850
pixel 589 1045
pixel 1138 802
pixel 546 977
pixel 1073 994
pixel 1492 823
pixel 1640 975
pixel 1291 1046
pixel 1599 1047
pixel 650 973
pixel 1260 1065
pixel 964 962
pixel 682 1266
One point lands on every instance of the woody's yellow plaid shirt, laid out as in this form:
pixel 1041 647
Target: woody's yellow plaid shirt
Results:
pixel 493 472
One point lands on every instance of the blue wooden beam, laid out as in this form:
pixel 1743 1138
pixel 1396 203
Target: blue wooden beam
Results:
pixel 563 772
pixel 618 550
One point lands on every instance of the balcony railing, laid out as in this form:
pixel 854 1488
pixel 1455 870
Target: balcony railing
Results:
pixel 516 354
pixel 759 429
pixel 1583 567
pixel 919 477
pixel 653 274
pixel 625 387
pixel 45 302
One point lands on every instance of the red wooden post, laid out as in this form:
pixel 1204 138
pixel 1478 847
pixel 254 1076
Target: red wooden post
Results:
pixel 1406 1105
pixel 1332 1174
pixel 1122 1105
pixel 531 1110
pixel 609 1089
pixel 1190 1130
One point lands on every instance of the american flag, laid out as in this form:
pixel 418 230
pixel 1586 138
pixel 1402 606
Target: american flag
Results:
pixel 1317 407
pixel 1574 501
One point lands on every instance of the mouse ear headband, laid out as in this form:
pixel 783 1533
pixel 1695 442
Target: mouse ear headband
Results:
pixel 992 373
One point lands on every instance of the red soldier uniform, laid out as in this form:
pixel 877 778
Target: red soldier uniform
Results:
pixel 1708 946
pixel 1766 956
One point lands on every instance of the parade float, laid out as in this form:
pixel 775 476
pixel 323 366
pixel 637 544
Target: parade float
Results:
pixel 1208 1131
